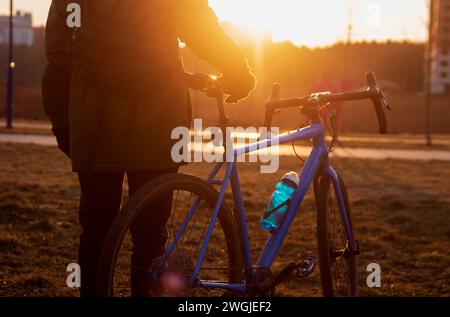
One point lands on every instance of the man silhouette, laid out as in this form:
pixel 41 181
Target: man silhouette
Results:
pixel 114 91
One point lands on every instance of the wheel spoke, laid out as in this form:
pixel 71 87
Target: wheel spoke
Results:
pixel 337 246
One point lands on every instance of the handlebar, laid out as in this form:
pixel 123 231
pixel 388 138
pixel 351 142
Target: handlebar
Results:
pixel 313 101
pixel 310 103
pixel 379 101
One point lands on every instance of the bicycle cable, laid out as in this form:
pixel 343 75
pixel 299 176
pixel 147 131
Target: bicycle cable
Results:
pixel 296 154
pixel 295 150
pixel 331 128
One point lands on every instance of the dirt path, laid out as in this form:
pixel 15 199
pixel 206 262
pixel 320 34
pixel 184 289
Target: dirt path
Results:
pixel 285 150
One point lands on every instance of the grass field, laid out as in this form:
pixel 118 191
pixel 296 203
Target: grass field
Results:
pixel 401 213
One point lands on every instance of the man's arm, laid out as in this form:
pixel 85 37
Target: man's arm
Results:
pixel 198 27
pixel 56 79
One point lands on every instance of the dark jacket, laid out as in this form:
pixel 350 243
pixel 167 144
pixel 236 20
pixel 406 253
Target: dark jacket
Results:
pixel 126 91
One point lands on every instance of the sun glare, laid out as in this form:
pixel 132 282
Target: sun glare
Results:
pixel 304 22
pixel 323 22
pixel 285 19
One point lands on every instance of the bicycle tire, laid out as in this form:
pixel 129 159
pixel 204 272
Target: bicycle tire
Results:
pixel 136 204
pixel 326 264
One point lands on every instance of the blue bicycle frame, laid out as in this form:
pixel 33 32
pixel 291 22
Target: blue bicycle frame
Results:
pixel 317 162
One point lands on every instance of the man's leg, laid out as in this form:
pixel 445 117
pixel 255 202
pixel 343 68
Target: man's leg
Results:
pixel 101 196
pixel 149 233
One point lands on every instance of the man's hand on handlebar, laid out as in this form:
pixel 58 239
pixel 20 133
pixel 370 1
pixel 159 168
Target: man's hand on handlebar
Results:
pixel 235 87
pixel 200 81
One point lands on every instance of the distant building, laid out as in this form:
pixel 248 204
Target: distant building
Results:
pixel 440 47
pixel 23 29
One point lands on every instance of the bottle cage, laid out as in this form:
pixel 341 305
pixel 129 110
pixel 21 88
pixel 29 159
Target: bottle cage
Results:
pixel 269 213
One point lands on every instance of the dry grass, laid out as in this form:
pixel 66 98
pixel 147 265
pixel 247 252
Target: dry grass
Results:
pixel 401 213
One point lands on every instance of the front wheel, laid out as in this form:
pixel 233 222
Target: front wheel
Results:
pixel 338 266
pixel 172 272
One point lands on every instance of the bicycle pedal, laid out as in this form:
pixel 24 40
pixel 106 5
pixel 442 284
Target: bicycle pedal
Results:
pixel 306 267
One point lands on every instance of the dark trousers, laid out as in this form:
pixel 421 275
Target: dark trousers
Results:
pixel 101 197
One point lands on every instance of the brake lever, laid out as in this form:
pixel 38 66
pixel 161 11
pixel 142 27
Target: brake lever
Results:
pixel 379 101
pixel 385 101
pixel 380 94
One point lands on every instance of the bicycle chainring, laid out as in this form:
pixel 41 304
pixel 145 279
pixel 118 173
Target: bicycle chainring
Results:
pixel 263 282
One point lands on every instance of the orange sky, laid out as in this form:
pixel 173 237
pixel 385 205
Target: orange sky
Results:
pixel 306 22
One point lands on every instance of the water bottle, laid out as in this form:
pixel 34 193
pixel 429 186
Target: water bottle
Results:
pixel 279 202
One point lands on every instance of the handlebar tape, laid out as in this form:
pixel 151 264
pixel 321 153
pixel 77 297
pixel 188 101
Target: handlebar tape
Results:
pixel 377 100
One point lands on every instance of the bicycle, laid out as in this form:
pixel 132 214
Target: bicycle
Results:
pixel 223 241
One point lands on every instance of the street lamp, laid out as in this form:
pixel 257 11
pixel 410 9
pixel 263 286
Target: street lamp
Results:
pixel 11 65
pixel 428 73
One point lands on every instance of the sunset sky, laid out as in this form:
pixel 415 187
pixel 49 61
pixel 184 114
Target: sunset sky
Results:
pixel 305 22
